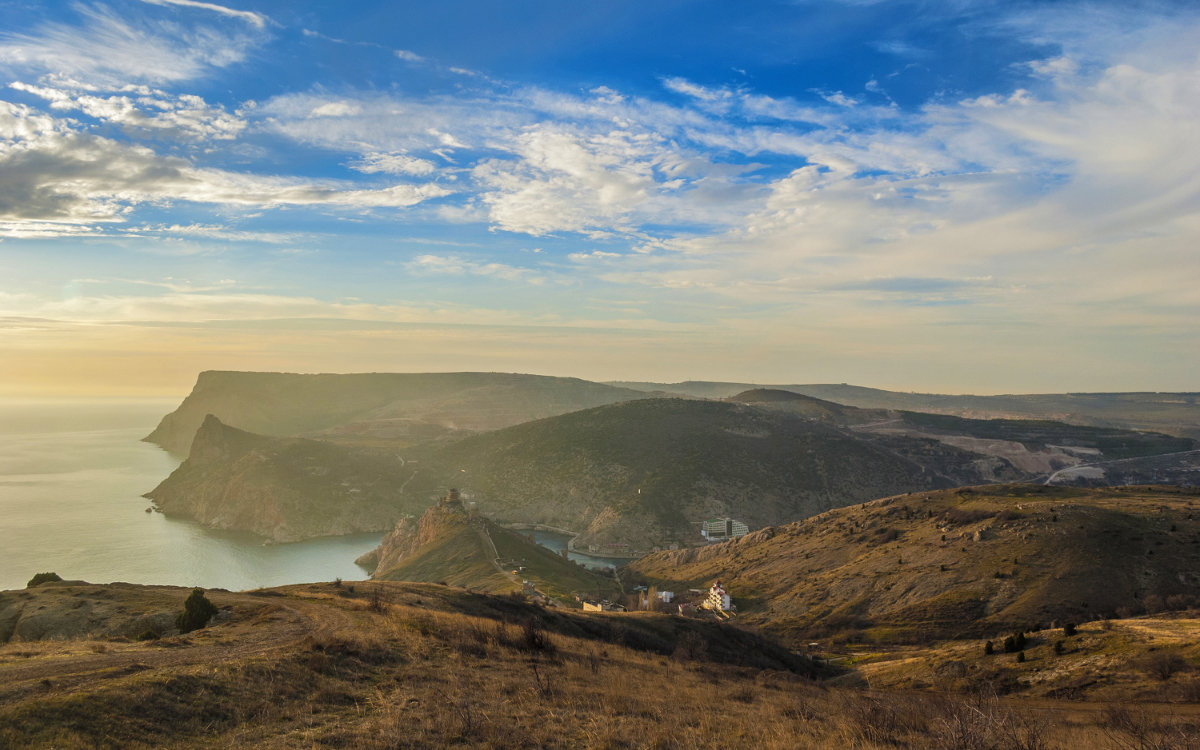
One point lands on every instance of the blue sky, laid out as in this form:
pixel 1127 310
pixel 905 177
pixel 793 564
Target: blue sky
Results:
pixel 941 196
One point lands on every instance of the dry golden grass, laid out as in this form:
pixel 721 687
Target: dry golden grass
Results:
pixel 432 666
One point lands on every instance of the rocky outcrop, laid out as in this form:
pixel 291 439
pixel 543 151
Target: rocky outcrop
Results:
pixel 394 547
pixel 74 609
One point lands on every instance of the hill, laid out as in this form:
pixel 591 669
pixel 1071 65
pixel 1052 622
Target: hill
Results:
pixel 1171 413
pixel 451 545
pixel 285 489
pixel 373 406
pixel 807 406
pixel 385 665
pixel 382 664
pixel 954 562
pixel 645 473
pixel 1041 449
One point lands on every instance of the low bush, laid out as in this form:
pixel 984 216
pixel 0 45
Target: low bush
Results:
pixel 41 578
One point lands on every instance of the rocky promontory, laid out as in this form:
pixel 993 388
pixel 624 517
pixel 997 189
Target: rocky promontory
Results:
pixel 285 489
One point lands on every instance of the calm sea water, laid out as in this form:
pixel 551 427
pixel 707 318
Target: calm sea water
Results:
pixel 71 479
pixel 558 542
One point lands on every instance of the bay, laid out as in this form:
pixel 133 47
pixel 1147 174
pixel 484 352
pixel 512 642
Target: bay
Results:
pixel 71 478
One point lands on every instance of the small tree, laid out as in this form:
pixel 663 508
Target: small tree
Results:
pixel 197 611
pixel 1069 629
pixel 989 648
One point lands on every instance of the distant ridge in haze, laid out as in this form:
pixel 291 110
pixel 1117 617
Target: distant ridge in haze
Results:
pixel 412 407
pixel 1170 413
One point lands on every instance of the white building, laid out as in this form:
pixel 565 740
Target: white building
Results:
pixel 718 599
pixel 720 529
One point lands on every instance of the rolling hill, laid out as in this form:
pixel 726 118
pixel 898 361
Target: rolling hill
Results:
pixel 648 472
pixel 1171 413
pixel 954 563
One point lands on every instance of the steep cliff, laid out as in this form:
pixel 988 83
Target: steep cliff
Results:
pixel 284 489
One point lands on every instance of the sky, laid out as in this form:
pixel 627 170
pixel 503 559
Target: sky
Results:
pixel 943 196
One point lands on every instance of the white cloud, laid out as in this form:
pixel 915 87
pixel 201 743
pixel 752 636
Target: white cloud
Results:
pixel 408 56
pixel 394 163
pixel 335 109
pixel 254 19
pixel 54 173
pixel 455 265
pixel 146 109
pixel 112 51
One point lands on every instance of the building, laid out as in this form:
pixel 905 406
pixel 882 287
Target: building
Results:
pixel 602 606
pixel 720 529
pixel 718 599
pixel 452 501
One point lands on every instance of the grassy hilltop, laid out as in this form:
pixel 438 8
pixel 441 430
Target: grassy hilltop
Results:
pixel 954 563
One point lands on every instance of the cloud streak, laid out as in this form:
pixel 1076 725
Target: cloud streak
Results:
pixel 257 20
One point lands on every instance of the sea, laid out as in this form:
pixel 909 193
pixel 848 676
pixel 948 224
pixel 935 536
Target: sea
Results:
pixel 72 475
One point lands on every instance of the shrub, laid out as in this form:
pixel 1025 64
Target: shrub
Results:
pixel 989 648
pixel 1069 629
pixel 691 647
pixel 41 578
pixel 1014 643
pixel 1177 602
pixel 1163 664
pixel 1021 656
pixel 197 611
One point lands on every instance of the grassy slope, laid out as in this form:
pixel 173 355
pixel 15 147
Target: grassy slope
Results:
pixel 554 574
pixel 953 562
pixel 386 665
pixel 453 553
pixel 383 665
pixel 1142 659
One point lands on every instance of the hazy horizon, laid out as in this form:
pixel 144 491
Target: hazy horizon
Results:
pixel 168 400
pixel 963 197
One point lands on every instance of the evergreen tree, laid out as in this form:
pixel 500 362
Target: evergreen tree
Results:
pixel 197 611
